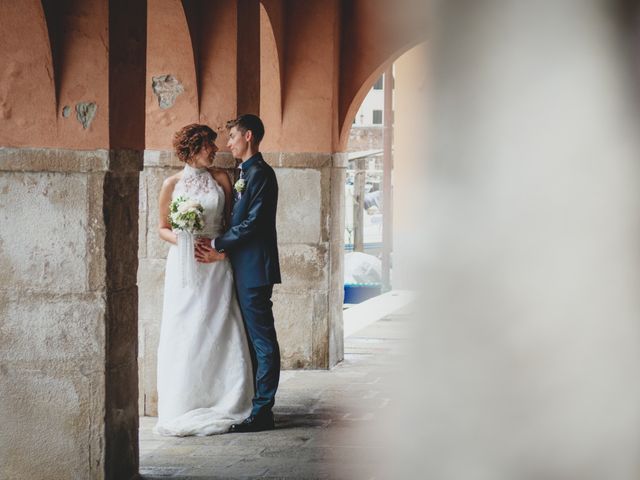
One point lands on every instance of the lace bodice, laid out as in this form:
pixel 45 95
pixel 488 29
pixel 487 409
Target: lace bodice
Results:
pixel 198 184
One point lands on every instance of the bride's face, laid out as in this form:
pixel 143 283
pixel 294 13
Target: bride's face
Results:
pixel 204 158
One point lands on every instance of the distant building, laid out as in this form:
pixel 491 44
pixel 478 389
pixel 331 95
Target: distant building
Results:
pixel 366 131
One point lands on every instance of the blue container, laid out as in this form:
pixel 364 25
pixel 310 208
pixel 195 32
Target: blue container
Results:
pixel 359 292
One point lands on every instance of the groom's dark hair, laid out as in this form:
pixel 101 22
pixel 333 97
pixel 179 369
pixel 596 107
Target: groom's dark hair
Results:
pixel 247 122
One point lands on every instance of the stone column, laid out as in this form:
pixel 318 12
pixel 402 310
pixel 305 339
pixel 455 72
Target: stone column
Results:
pixel 68 326
pixel 308 304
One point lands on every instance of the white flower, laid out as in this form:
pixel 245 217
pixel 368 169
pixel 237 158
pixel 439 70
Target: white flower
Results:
pixel 188 206
pixel 240 185
pixel 186 214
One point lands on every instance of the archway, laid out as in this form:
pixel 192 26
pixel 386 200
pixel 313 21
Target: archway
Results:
pixel 371 182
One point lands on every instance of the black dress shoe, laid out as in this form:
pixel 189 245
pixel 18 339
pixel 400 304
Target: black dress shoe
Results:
pixel 253 424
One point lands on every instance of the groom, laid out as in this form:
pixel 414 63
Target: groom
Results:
pixel 251 245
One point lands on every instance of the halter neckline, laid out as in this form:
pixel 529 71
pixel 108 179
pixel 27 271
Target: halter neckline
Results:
pixel 193 170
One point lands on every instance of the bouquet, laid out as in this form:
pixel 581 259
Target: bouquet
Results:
pixel 186 217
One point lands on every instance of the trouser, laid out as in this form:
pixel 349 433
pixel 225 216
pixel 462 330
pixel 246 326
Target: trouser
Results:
pixel 255 304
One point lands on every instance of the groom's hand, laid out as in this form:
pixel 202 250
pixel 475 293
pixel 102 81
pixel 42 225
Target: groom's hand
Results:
pixel 203 241
pixel 205 254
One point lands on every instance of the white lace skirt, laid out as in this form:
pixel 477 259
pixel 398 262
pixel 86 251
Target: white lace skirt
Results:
pixel 205 381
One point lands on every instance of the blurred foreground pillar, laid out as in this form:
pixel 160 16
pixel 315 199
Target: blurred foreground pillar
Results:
pixel 531 321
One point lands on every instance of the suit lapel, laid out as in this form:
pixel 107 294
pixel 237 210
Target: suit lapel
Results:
pixel 251 164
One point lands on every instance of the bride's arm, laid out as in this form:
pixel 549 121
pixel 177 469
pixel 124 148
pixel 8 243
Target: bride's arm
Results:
pixel 164 228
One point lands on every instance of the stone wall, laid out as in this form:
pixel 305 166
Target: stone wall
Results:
pixel 307 305
pixel 67 301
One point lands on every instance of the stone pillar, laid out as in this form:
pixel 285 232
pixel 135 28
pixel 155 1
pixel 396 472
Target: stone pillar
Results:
pixel 308 304
pixel 68 326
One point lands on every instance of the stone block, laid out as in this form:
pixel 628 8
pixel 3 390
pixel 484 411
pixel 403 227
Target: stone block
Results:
pixel 336 266
pixel 299 205
pixel 296 317
pixel 96 233
pixel 51 424
pixel 141 373
pixel 156 247
pixel 121 420
pixel 143 216
pixel 224 160
pixel 122 326
pixel 44 327
pixel 150 337
pixel 303 267
pixel 149 365
pixel 167 158
pixel 160 158
pixel 53 160
pixel 151 289
pixel 120 213
pixel 314 160
pixel 44 232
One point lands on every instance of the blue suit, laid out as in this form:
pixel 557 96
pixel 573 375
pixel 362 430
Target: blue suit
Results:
pixel 251 245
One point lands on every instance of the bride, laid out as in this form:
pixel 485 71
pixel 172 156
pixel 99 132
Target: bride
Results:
pixel 205 381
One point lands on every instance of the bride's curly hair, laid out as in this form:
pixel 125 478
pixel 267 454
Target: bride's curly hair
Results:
pixel 189 140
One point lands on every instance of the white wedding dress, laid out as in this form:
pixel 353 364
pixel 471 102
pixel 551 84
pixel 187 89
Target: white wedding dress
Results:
pixel 205 381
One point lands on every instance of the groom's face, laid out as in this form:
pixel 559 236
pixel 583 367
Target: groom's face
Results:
pixel 238 143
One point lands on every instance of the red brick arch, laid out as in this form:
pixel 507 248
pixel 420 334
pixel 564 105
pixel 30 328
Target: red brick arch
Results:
pixel 374 34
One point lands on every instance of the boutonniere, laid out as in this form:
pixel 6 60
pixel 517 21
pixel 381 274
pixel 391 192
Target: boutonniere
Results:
pixel 240 185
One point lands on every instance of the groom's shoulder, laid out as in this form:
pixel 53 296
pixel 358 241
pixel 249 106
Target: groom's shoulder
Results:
pixel 262 168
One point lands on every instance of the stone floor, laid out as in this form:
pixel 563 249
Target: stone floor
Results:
pixel 329 424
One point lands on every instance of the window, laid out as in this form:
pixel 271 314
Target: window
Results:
pixel 378 84
pixel 377 117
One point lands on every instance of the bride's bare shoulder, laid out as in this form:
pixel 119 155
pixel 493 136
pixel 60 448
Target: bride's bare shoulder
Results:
pixel 171 181
pixel 220 175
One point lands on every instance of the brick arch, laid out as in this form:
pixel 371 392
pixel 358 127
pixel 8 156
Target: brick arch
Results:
pixel 374 34
pixel 365 87
pixel 271 70
pixel 194 41
pixel 55 57
pixel 27 87
pixel 171 50
pixel 213 28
